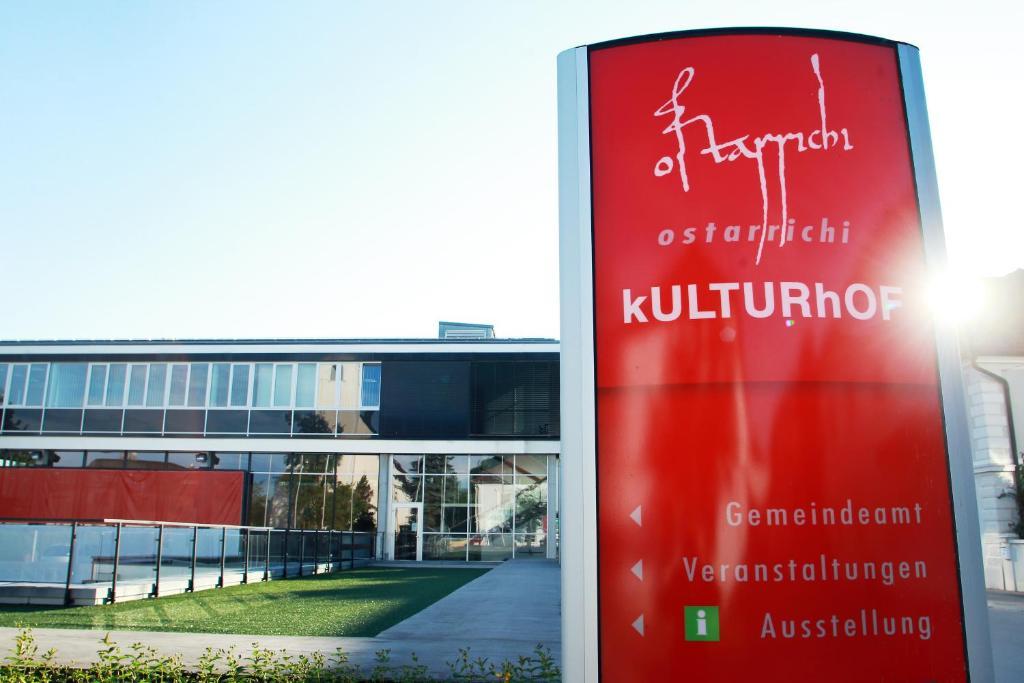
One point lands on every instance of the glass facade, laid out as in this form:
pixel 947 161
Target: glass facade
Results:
pixel 314 491
pixel 476 507
pixel 284 490
pixel 456 507
pixel 325 399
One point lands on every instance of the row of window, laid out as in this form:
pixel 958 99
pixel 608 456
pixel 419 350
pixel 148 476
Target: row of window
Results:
pixel 353 386
pixel 191 421
pixel 308 463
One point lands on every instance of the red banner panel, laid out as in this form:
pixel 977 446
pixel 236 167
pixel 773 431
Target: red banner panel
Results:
pixel 191 497
pixel 773 488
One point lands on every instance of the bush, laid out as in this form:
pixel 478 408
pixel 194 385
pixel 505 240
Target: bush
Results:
pixel 142 663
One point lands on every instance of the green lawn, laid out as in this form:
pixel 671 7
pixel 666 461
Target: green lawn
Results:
pixel 360 602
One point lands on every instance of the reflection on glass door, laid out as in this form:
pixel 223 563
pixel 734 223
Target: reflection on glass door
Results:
pixel 405 537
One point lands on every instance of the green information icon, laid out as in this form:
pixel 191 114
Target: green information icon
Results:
pixel 701 623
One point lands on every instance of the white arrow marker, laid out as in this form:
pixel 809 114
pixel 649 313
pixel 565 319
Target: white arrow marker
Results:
pixel 638 625
pixel 635 515
pixel 638 570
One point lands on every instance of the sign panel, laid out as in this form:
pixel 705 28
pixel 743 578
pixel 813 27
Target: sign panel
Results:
pixel 773 490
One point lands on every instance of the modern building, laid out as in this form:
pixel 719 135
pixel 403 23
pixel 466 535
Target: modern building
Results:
pixel 447 448
pixel 993 350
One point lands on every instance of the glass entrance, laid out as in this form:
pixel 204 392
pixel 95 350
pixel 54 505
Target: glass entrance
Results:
pixel 406 539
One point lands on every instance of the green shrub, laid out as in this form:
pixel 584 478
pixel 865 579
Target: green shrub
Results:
pixel 142 664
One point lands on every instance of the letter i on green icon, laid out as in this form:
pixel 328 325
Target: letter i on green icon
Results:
pixel 701 623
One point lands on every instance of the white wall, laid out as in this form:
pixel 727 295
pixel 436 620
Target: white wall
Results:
pixel 993 473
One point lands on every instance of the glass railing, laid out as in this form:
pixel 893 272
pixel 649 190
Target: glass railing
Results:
pixel 99 561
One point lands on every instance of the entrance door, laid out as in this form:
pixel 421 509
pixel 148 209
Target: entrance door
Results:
pixel 406 540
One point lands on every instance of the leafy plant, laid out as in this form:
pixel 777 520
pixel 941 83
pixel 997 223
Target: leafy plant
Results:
pixel 1017 493
pixel 142 664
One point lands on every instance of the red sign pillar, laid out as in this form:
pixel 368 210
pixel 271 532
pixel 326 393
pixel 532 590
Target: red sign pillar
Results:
pixel 757 482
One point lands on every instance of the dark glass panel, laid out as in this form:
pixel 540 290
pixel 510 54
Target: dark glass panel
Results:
pixel 407 488
pixel 270 422
pixel 22 419
pixel 444 547
pixel 269 462
pixel 454 519
pixel 515 398
pixel 315 463
pixel 38 458
pixel 62 420
pixel 185 421
pixel 364 504
pixel 425 399
pixel 369 422
pixel 311 504
pixel 532 464
pixel 531 546
pixel 408 464
pixel 68 458
pixel 18 458
pixel 230 461
pixel 227 421
pixel 531 505
pixel 105 459
pixel 136 460
pixel 435 464
pixel 490 547
pixel 342 509
pixel 107 420
pixel 258 498
pixel 315 422
pixel 356 423
pixel 433 497
pixel 485 464
pixel 456 489
pixel 279 500
pixel 188 460
pixel 144 421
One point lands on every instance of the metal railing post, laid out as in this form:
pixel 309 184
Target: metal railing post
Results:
pixel 195 545
pixel 245 569
pixel 286 549
pixel 159 559
pixel 266 567
pixel 117 563
pixel 71 563
pixel 302 549
pixel 223 550
pixel 330 551
pixel 316 551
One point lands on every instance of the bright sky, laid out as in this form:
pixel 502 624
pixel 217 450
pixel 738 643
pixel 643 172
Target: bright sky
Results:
pixel 355 169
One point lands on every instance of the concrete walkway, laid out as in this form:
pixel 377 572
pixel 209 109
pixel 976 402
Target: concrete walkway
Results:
pixel 501 615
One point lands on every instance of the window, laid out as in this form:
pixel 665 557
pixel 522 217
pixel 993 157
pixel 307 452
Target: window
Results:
pixel 157 383
pixel 115 384
pixel 262 385
pixel 220 380
pixel 239 385
pixel 327 385
pixel 66 386
pixel 19 373
pixel 179 381
pixel 283 386
pixel 3 381
pixel 305 385
pixel 137 385
pixel 480 515
pixel 197 384
pixel 97 384
pixel 371 386
pixel 36 385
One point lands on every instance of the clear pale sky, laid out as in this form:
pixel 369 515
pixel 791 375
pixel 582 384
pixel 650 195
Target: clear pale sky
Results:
pixel 360 169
